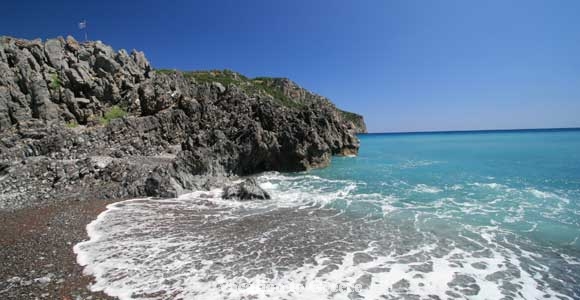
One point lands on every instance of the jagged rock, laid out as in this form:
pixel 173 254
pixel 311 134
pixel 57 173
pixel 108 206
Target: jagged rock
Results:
pixel 82 101
pixel 161 186
pixel 106 63
pixel 140 60
pixel 100 162
pixel 79 75
pixel 42 106
pixel 72 44
pixel 246 190
pixel 4 168
pixel 179 132
pixel 54 52
pixel 5 98
pixel 190 106
pixel 220 87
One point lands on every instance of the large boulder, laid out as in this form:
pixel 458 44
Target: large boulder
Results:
pixel 245 190
pixel 106 63
pixel 54 50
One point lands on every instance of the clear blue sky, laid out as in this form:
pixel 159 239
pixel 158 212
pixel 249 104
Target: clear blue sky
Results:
pixel 405 65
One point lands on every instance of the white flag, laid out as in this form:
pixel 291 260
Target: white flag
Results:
pixel 83 24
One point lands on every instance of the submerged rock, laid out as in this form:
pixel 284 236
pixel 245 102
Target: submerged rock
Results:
pixel 245 190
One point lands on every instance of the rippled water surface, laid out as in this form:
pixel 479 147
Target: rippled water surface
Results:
pixel 491 215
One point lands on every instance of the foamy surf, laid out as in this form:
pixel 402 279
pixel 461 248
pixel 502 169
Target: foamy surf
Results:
pixel 317 239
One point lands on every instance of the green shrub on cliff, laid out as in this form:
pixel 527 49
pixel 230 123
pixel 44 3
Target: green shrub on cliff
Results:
pixel 252 86
pixel 55 81
pixel 258 85
pixel 264 83
pixel 72 124
pixel 225 77
pixel 115 112
pixel 348 116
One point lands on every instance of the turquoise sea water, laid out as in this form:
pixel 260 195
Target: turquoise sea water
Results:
pixel 470 215
pixel 517 180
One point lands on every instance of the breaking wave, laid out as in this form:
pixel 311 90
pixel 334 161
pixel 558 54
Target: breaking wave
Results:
pixel 325 238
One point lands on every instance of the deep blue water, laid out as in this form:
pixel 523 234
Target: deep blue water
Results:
pixel 468 215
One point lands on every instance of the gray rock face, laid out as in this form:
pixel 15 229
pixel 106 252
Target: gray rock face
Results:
pixel 180 132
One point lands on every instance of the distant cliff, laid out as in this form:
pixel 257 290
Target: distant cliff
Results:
pixel 285 88
pixel 356 119
pixel 82 121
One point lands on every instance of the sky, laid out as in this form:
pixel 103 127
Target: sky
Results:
pixel 405 65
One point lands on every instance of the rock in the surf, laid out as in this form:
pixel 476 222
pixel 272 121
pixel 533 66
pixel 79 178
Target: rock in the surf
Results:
pixel 245 190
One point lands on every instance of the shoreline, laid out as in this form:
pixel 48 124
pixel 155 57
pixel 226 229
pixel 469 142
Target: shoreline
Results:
pixel 36 246
pixel 88 123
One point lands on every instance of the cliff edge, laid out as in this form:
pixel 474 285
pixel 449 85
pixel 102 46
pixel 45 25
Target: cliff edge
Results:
pixel 82 121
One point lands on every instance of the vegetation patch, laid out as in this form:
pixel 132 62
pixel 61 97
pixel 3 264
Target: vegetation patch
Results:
pixel 165 71
pixel 259 86
pixel 115 112
pixel 225 77
pixel 72 124
pixel 348 116
pixel 265 83
pixel 55 82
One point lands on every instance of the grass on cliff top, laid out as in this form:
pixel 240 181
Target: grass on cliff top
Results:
pixel 224 77
pixel 347 115
pixel 271 86
pixel 258 86
pixel 252 86
pixel 266 85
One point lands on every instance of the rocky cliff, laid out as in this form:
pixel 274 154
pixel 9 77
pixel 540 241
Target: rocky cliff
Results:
pixel 285 88
pixel 82 121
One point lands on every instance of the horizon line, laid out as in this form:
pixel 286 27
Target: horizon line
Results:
pixel 478 130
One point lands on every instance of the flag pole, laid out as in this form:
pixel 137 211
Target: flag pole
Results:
pixel 83 26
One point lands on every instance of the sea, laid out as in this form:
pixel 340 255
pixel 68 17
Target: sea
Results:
pixel 444 215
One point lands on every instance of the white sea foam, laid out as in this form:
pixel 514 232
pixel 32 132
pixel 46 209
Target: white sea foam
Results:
pixel 170 264
pixel 571 260
pixel 547 195
pixel 455 187
pixel 492 185
pixel 410 164
pixel 293 247
pixel 423 188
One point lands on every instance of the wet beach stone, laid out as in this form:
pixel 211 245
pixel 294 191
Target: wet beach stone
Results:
pixel 246 190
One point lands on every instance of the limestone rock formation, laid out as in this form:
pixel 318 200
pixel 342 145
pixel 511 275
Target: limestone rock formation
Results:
pixel 83 121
